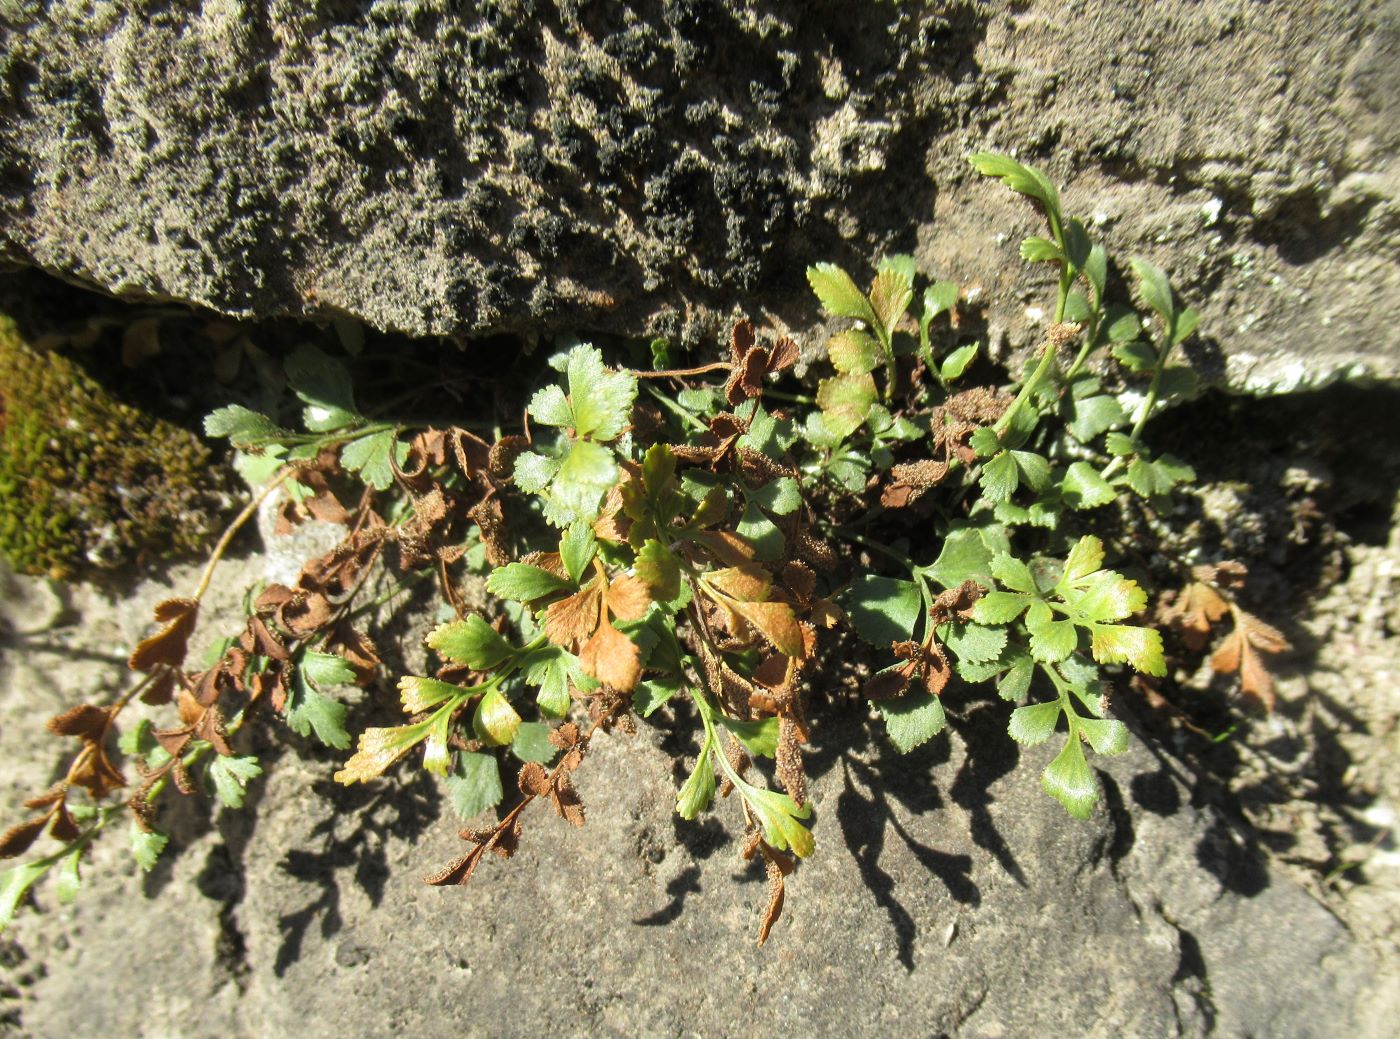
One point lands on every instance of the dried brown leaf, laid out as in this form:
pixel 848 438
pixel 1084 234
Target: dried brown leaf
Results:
pixel 818 553
pixel 65 828
pixel 191 710
pixel 800 579
pixel 326 507
pixel 742 339
pixel 305 614
pixel 776 622
pixel 210 729
pixel 169 645
pixel 1255 680
pixel 888 684
pixel 748 582
pixel 566 736
pixel 565 800
pixel 955 603
pixel 734 690
pixel 909 480
pixel 777 866
pixel 935 670
pixel 49 797
pixel 573 619
pixel 784 354
pixel 85 721
pixel 1263 637
pixel 173 741
pixel 502 454
pixel 458 871
pixel 629 598
pixel 358 649
pixel 1226 658
pixel 491 521
pixel 551 561
pixel 162 687
pixel 1195 609
pixel 612 658
pixel 18 838
pixel 730 549
pixel 533 780
pixel 506 840
pixel 774 672
pixel 789 770
pixel 272 599
pixel 826 613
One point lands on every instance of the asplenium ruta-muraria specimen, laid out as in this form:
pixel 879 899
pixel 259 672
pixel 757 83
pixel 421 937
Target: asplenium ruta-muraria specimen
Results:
pixel 705 536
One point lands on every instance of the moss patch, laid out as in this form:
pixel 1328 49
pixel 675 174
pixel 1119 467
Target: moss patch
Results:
pixel 87 482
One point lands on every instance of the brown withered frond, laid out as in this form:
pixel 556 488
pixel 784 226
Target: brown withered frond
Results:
pixel 909 480
pixel 777 866
pixel 93 770
pixel 790 771
pixel 18 838
pixel 1240 652
pixel 750 363
pixel 168 646
pixel 1195 610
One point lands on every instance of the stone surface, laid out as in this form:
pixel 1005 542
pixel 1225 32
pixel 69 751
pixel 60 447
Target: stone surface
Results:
pixel 948 896
pixel 523 166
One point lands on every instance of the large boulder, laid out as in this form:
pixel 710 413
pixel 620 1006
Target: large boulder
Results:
pixel 521 166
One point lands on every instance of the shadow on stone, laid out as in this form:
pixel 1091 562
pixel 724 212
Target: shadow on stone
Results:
pixel 990 755
pixel 686 883
pixel 403 811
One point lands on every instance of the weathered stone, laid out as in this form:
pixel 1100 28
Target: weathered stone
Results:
pixel 947 896
pixel 527 166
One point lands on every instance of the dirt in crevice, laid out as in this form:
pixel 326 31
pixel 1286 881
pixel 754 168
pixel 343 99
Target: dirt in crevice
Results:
pixel 1305 490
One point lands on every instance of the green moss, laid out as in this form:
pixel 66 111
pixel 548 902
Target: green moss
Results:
pixel 87 481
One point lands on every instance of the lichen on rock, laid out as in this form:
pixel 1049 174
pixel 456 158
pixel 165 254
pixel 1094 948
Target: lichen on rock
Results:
pixel 89 482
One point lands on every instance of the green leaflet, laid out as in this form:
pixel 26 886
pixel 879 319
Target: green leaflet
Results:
pixel 531 743
pixel 577 548
pixel 324 386
pixel 308 710
pixel 966 555
pixel 472 642
pixel 599 401
pixel 838 293
pixel 243 427
pixel 1069 780
pixel 231 775
pixel 15 883
pixel 697 792
pixel 1034 723
pixel 524 583
pixel 778 814
pixel 760 737
pixel 913 719
pixel 1019 177
pixel 474 784
pixel 883 609
pixel 370 457
pixel 146 845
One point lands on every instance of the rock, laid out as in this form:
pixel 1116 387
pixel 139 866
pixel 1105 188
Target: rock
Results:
pixel 947 896
pixel 526 166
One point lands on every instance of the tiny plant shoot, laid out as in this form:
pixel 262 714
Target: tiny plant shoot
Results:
pixel 688 545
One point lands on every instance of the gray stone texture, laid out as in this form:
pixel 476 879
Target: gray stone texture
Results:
pixel 467 168
pixel 947 897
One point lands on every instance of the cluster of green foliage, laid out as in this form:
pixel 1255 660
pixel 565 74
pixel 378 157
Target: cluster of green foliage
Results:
pixel 87 481
pixel 659 537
